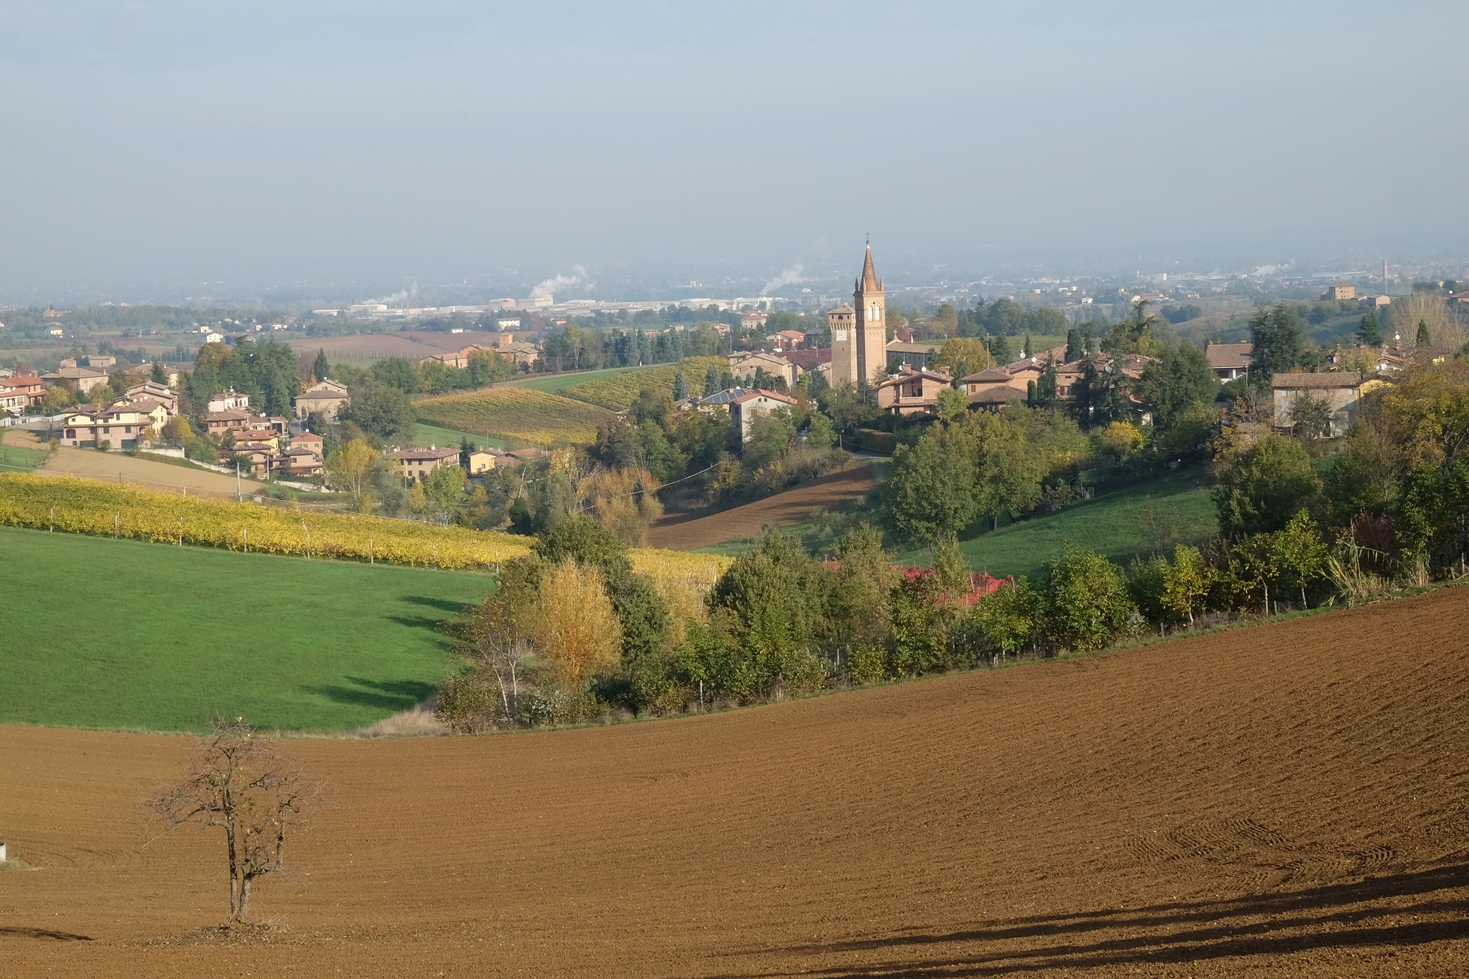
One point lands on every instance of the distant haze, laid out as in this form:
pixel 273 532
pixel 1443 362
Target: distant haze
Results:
pixel 184 149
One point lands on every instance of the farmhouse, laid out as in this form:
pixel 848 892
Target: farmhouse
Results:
pixel 228 420
pixel 325 397
pixel 744 366
pixel 83 379
pixel 914 354
pixel 149 390
pixel 230 400
pixel 299 462
pixel 912 392
pixel 787 339
pixel 746 407
pixel 1229 360
pixel 23 389
pixel 456 358
pixel 418 463
pixel 13 402
pixel 309 441
pixel 987 381
pixel 482 461
pixel 87 427
pixel 1340 389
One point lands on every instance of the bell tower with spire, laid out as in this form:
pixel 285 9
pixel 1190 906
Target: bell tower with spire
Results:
pixel 870 302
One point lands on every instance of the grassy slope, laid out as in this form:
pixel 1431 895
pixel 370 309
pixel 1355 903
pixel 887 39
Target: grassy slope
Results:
pixel 619 390
pixel 515 413
pixel 14 458
pixel 1140 519
pixel 434 435
pixel 1152 517
pixel 125 634
pixel 560 382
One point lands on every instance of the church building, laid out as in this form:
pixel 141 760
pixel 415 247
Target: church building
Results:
pixel 859 335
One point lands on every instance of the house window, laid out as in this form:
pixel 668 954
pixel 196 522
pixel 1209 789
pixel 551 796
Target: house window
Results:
pixel 71 433
pixel 127 430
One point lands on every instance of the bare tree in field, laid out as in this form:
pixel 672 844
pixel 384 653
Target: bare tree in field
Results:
pixel 236 781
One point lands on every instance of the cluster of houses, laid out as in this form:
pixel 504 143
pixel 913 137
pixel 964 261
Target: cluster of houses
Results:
pixel 418 463
pixel 262 444
pixel 915 388
pixel 524 353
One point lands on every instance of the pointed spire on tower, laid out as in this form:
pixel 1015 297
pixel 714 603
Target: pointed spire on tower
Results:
pixel 869 274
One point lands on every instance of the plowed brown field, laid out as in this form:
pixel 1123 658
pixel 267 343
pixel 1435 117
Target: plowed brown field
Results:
pixel 1282 800
pixel 157 476
pixel 686 531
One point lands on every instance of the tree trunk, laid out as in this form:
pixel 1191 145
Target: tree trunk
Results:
pixel 229 838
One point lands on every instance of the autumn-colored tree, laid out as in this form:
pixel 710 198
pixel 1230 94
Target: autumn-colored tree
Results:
pixel 624 500
pixel 236 781
pixel 961 356
pixel 349 470
pixel 1186 583
pixel 575 628
pixel 1299 552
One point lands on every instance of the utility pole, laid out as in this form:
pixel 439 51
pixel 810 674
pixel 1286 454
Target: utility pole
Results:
pixel 239 494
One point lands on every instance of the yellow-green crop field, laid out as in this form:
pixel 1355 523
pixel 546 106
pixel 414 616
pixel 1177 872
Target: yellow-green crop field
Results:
pixel 82 506
pixel 619 391
pixel 517 414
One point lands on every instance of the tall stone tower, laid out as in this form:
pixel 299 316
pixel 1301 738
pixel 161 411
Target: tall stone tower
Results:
pixel 842 322
pixel 871 336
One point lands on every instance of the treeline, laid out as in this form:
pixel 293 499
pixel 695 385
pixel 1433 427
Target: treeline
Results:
pixel 577 347
pixel 1047 453
pixel 572 635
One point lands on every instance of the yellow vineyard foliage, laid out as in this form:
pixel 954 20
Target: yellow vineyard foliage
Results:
pixel 82 506
pixel 619 391
pixel 519 414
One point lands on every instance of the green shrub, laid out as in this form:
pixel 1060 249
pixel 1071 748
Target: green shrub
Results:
pixel 1085 600
pixel 469 702
pixel 871 440
pixel 1008 620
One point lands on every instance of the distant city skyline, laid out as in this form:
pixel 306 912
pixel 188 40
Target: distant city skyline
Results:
pixel 309 150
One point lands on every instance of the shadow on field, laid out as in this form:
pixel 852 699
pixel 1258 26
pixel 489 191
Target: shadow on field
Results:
pixel 453 608
pixel 1378 911
pixel 43 933
pixel 416 621
pixel 394 695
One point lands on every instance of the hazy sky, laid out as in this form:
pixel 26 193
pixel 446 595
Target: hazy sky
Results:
pixel 157 145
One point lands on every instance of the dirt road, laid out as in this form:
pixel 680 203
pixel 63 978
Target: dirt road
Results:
pixel 1282 800
pixel 684 532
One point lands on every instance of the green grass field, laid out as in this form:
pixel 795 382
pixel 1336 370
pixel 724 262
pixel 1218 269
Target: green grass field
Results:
pixel 620 389
pixel 15 458
pixel 560 382
pixel 425 435
pixel 1142 519
pixel 129 635
pixel 517 414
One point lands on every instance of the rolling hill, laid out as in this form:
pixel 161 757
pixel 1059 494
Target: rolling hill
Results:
pixel 1288 799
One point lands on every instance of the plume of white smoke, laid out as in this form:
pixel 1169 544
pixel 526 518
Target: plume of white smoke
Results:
pixel 401 296
pixel 549 288
pixel 790 277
